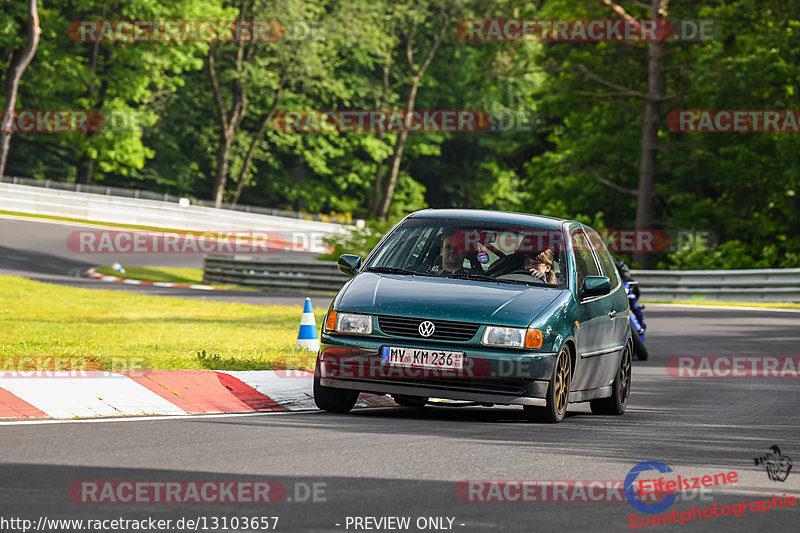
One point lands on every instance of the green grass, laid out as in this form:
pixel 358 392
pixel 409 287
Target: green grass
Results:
pixel 165 274
pixel 115 330
pixel 191 276
pixel 768 305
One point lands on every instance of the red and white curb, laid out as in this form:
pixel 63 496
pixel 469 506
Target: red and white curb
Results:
pixel 94 394
pixel 113 279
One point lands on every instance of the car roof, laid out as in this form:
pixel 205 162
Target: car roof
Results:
pixel 491 216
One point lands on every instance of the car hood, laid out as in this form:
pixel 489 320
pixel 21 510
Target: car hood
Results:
pixel 436 298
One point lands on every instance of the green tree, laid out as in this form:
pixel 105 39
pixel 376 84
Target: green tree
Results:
pixel 18 61
pixel 114 78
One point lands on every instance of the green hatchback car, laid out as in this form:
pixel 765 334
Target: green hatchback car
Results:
pixel 482 306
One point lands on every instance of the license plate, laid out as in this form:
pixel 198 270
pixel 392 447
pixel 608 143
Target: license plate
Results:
pixel 420 358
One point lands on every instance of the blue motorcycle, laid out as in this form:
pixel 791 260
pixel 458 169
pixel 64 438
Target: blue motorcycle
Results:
pixel 638 326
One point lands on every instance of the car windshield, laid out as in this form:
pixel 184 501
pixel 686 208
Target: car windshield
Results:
pixel 476 250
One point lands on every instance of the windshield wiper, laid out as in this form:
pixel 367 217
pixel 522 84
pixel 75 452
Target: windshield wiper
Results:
pixel 467 275
pixel 391 270
pixel 482 277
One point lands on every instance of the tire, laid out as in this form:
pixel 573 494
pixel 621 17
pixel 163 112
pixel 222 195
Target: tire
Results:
pixel 334 400
pixel 639 349
pixel 557 396
pixel 616 403
pixel 410 401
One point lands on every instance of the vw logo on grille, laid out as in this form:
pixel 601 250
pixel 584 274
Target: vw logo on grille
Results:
pixel 426 328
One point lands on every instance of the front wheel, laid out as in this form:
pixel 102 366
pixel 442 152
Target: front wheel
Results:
pixel 639 349
pixel 557 396
pixel 615 405
pixel 334 400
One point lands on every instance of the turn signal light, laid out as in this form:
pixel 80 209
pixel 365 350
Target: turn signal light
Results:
pixel 533 339
pixel 330 322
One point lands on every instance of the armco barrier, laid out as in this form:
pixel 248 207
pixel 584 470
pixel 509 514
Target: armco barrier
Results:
pixel 166 197
pixel 157 214
pixel 271 274
pixel 756 285
pixel 766 285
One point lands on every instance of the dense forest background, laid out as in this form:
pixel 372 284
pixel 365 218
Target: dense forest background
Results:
pixel 575 141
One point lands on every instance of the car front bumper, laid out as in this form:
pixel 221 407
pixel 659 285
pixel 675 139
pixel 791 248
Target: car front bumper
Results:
pixel 489 375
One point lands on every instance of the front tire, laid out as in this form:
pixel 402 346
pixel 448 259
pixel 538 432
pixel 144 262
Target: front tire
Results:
pixel 334 400
pixel 615 405
pixel 557 396
pixel 639 348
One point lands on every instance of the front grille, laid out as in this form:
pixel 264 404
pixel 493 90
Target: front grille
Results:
pixel 445 331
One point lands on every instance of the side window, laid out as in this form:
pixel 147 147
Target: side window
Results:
pixel 423 244
pixel 399 248
pixel 609 270
pixel 585 265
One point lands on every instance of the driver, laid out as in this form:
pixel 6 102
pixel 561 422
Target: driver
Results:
pixel 452 257
pixel 541 266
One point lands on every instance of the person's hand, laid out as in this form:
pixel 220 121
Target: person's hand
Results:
pixel 535 272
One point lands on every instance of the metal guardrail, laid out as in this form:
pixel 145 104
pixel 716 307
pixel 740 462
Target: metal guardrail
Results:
pixel 764 285
pixel 309 234
pixel 271 274
pixel 165 197
pixel 755 285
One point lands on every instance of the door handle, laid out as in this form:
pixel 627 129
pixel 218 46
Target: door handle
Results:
pixel 612 314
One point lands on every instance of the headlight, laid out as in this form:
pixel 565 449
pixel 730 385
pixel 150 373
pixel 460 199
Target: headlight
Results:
pixel 352 323
pixel 512 337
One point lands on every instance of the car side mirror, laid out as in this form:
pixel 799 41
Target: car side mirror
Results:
pixel 595 286
pixel 349 264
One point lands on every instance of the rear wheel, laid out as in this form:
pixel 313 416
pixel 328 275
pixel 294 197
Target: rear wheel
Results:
pixel 639 349
pixel 557 396
pixel 333 400
pixel 410 401
pixel 615 405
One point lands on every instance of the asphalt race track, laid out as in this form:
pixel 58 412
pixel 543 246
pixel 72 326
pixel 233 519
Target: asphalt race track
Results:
pixel 404 462
pixel 407 462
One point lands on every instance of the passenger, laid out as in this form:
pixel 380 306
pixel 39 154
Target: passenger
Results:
pixel 542 266
pixel 452 257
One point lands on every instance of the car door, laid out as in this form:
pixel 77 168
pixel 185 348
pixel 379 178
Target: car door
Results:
pixel 617 296
pixel 594 337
